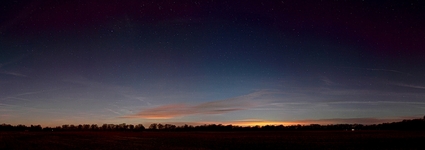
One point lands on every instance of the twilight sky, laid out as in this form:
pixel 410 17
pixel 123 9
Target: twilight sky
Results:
pixel 211 61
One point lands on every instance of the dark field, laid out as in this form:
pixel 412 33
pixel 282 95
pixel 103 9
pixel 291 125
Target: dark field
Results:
pixel 215 140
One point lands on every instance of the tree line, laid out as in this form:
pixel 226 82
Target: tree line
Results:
pixel 413 124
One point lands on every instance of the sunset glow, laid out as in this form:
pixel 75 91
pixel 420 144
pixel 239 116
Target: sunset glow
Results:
pixel 219 62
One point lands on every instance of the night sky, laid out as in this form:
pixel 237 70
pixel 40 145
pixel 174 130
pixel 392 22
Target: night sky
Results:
pixel 210 61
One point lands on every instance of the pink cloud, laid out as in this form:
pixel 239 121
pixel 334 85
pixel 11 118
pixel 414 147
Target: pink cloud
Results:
pixel 177 110
pixel 214 107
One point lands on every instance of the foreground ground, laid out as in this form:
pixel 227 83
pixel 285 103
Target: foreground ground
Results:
pixel 214 140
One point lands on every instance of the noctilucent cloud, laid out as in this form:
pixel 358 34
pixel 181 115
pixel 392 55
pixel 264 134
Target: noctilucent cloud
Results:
pixel 204 61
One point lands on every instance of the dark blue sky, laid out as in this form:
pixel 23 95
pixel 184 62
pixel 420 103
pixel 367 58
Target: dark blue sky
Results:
pixel 230 62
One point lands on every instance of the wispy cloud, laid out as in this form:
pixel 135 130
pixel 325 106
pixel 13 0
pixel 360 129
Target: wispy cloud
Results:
pixel 17 59
pixel 379 69
pixel 115 112
pixel 350 120
pixel 387 70
pixel 409 85
pixel 16 98
pixel 13 73
pixel 327 81
pixel 5 116
pixel 1 104
pixel 35 92
pixel 214 107
pixel 10 62
pixel 377 102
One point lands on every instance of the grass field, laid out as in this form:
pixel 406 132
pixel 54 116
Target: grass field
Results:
pixel 214 140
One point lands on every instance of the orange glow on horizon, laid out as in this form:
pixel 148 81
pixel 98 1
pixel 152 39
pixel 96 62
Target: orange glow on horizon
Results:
pixel 252 123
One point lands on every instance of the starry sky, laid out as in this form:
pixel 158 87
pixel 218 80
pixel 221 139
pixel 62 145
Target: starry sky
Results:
pixel 210 61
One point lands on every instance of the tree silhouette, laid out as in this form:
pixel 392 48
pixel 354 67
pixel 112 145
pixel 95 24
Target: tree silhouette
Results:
pixel 160 126
pixel 169 127
pixel 139 127
pixel 412 125
pixel 153 126
pixel 94 127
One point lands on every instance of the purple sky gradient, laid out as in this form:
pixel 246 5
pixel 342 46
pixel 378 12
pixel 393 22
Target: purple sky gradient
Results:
pixel 197 62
